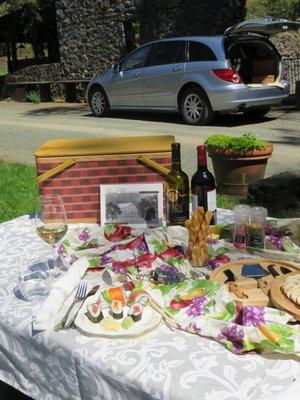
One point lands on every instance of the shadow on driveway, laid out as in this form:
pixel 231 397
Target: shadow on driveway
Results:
pixel 226 120
pixel 287 140
pixel 76 109
pixel 220 120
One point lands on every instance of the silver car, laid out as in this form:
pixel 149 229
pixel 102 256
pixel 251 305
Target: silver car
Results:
pixel 198 76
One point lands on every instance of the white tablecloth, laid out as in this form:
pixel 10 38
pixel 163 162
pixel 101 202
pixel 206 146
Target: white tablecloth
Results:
pixel 160 365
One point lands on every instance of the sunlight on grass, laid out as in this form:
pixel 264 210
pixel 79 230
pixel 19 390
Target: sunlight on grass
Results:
pixel 18 190
pixel 3 71
pixel 227 202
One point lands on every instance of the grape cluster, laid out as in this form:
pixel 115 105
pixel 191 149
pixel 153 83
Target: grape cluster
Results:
pixel 275 231
pixel 275 242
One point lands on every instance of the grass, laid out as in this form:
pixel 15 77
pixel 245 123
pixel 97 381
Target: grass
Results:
pixel 3 71
pixel 18 190
pixel 228 202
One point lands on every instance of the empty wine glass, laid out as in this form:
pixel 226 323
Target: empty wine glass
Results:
pixel 51 224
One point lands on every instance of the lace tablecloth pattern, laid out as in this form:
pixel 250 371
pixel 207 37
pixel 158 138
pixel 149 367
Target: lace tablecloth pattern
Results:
pixel 162 364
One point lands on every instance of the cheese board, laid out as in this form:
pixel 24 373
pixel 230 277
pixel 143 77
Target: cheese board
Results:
pixel 250 280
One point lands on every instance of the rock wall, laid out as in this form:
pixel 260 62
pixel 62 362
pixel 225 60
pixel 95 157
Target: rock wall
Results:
pixel 43 72
pixel 93 34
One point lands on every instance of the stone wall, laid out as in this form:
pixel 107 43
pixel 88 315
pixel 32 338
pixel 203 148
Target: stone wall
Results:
pixel 43 72
pixel 93 34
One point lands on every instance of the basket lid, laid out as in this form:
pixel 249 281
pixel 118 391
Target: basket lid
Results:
pixel 112 145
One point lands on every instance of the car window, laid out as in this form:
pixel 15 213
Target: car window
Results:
pixel 167 53
pixel 200 52
pixel 136 59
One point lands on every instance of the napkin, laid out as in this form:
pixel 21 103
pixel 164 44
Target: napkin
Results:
pixel 58 294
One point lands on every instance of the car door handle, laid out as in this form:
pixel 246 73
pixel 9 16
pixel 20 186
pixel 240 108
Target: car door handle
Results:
pixel 137 74
pixel 180 68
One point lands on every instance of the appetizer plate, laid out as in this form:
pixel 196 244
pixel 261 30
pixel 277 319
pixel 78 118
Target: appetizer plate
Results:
pixel 150 320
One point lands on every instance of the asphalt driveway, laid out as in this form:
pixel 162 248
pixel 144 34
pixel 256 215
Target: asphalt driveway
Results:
pixel 24 127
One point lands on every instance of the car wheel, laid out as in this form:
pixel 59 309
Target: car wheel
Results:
pixel 195 107
pixel 257 113
pixel 98 101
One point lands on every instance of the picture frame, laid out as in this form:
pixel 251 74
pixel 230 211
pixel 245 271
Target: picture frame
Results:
pixel 135 204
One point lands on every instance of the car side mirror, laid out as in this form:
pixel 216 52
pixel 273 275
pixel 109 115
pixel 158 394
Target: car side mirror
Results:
pixel 116 67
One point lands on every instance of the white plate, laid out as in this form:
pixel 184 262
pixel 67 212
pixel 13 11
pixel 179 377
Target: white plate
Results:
pixel 150 320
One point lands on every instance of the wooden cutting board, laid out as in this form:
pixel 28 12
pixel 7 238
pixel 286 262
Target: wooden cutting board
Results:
pixel 280 300
pixel 249 291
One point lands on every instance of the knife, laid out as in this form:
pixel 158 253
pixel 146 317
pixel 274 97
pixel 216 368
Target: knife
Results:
pixel 70 323
pixel 230 275
pixel 285 270
pixel 272 270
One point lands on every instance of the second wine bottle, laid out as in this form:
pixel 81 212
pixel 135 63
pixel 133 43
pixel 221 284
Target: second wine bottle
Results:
pixel 203 186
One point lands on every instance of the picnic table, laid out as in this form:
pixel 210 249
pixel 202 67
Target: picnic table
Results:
pixel 162 364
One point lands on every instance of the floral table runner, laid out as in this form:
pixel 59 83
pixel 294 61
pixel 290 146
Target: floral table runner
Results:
pixel 196 305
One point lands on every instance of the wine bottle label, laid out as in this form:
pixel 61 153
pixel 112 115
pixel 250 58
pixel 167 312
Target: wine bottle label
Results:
pixel 177 205
pixel 239 239
pixel 201 196
pixel 211 200
pixel 256 240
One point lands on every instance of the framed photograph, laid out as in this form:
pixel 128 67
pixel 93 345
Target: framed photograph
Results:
pixel 134 204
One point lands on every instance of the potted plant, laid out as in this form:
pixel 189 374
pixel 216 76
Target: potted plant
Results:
pixel 238 161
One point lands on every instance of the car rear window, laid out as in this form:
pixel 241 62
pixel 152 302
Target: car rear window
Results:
pixel 200 52
pixel 167 53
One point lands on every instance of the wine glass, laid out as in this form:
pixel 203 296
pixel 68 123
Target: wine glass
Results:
pixel 51 224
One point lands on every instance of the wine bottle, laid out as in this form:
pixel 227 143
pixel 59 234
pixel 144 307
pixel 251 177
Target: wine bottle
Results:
pixel 203 186
pixel 177 190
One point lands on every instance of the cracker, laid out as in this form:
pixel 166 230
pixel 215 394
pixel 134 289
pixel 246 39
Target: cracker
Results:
pixel 197 226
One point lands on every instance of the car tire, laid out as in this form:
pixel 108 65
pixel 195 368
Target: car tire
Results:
pixel 257 113
pixel 98 101
pixel 195 107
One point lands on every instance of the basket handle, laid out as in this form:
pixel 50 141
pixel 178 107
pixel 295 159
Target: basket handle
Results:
pixel 53 171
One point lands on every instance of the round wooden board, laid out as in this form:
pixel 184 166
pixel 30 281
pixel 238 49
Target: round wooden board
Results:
pixel 280 300
pixel 236 267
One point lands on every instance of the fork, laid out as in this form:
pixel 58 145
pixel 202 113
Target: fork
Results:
pixel 79 295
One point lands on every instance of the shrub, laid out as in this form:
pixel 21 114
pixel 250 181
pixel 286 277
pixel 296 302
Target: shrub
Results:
pixel 246 142
pixel 34 97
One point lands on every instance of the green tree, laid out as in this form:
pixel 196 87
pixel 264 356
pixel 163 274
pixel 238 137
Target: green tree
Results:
pixel 275 8
pixel 38 19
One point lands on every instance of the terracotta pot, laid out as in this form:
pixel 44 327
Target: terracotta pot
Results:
pixel 234 170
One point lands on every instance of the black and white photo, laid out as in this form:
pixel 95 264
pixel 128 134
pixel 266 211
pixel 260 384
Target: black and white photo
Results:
pixel 133 204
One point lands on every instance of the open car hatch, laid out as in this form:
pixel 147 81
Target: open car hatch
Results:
pixel 262 26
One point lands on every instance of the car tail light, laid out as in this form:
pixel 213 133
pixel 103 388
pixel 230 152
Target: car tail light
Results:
pixel 228 75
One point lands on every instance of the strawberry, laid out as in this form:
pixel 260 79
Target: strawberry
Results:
pixel 145 260
pixel 178 304
pixel 222 258
pixel 133 245
pixel 164 255
pixel 128 286
pixel 116 232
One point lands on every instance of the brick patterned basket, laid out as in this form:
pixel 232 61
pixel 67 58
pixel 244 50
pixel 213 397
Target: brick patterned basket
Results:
pixel 75 168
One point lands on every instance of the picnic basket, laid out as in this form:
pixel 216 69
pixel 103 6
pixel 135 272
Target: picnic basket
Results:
pixel 75 169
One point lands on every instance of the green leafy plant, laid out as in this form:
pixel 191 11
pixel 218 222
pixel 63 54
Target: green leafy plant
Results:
pixel 34 97
pixel 248 141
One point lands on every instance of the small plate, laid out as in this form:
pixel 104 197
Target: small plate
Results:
pixel 150 320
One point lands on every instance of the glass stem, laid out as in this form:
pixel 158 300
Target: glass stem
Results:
pixel 54 258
